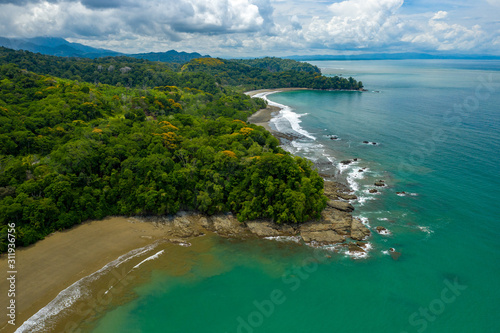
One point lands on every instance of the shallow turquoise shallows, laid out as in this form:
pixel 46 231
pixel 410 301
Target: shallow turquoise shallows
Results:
pixel 436 129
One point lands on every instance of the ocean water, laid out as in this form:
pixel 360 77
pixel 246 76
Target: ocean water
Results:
pixel 436 129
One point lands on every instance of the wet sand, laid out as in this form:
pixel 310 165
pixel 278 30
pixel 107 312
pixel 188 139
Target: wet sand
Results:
pixel 62 258
pixel 263 116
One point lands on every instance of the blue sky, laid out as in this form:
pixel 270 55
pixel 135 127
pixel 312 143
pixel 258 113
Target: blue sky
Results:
pixel 234 28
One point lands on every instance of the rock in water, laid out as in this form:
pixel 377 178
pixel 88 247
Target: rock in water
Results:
pixel 383 231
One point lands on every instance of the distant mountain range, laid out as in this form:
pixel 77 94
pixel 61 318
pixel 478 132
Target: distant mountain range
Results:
pixel 391 56
pixel 63 48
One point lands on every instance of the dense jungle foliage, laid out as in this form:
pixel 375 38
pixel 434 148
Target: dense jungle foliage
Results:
pixel 148 140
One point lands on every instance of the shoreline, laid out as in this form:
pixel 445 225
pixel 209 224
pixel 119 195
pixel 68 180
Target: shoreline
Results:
pixel 64 260
pixel 81 251
pixel 263 116
pixel 90 243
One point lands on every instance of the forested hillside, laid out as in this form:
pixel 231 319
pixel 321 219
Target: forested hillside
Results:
pixel 211 75
pixel 72 151
pixel 263 73
pixel 274 64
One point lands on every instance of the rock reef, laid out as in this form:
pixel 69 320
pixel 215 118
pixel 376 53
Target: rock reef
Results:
pixel 335 226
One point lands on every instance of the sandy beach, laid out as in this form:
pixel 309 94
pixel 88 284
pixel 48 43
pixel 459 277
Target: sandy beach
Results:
pixel 62 258
pixel 263 116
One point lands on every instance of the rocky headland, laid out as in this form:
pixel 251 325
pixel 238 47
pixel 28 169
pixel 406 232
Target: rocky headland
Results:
pixel 336 225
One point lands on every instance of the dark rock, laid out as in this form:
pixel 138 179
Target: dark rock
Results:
pixel 347 196
pixel 358 230
pixel 227 226
pixel 341 205
pixel 374 143
pixel 263 228
pixel 380 183
pixel 324 231
pixel 394 254
pixel 373 191
pixel 338 221
pixel 366 142
pixel 355 248
pixel 322 237
pixel 346 162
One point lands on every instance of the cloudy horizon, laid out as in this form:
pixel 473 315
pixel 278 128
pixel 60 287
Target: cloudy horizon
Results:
pixel 240 28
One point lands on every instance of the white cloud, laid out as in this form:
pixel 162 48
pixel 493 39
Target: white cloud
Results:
pixel 440 15
pixel 357 24
pixel 259 27
pixel 73 19
pixel 443 36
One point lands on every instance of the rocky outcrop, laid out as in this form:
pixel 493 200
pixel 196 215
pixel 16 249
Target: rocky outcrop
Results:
pixel 341 205
pixel 347 196
pixel 266 229
pixel 322 237
pixel 228 226
pixel 336 224
pixel 335 191
pixel 358 230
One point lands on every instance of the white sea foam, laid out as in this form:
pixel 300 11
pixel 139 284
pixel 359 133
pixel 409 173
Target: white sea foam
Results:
pixel 364 220
pixel 384 232
pixel 363 199
pixel 426 229
pixel 353 176
pixel 357 254
pixel 154 256
pixel 295 239
pixel 367 247
pixel 71 294
pixel 287 114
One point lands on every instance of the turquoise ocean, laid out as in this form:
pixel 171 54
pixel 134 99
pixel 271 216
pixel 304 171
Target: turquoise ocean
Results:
pixel 433 132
